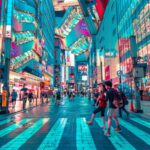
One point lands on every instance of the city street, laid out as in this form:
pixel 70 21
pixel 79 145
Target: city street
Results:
pixel 63 127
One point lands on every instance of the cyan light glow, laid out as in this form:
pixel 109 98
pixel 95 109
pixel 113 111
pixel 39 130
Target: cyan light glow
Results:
pixel 118 141
pixel 54 136
pixel 145 137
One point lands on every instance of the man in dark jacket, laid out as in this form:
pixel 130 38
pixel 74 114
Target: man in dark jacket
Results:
pixel 112 110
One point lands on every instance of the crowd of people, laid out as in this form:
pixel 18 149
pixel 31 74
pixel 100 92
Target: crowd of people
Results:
pixel 105 95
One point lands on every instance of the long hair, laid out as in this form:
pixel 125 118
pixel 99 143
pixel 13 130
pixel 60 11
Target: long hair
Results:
pixel 103 88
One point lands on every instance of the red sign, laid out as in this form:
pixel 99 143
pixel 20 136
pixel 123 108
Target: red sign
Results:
pixel 149 60
pixel 82 67
pixel 107 73
pixel 37 47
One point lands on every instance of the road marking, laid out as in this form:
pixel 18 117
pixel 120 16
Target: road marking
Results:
pixel 18 141
pixel 54 136
pixel 118 141
pixel 84 138
pixel 6 121
pixel 141 121
pixel 13 127
pixel 136 131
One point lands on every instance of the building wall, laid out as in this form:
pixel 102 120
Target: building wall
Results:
pixel 123 20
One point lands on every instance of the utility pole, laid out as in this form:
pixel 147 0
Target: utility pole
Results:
pixel 8 12
pixel 137 101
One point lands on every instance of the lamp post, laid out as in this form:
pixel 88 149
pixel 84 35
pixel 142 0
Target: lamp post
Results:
pixel 8 7
pixel 138 72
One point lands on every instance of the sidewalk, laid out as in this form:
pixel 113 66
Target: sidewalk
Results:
pixel 145 106
pixel 19 105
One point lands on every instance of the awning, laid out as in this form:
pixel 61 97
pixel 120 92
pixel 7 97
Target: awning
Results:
pixel 32 67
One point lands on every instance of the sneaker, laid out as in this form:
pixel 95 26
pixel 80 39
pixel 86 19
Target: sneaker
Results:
pixel 89 122
pixel 107 133
pixel 118 129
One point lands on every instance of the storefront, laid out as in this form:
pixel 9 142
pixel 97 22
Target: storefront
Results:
pixel 31 82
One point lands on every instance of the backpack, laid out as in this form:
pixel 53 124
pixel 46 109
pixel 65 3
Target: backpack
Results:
pixel 125 100
pixel 118 101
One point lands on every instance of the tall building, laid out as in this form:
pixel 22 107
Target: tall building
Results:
pixel 118 53
pixel 30 30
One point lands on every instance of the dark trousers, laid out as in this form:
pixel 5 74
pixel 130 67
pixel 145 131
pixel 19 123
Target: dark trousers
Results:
pixel 124 109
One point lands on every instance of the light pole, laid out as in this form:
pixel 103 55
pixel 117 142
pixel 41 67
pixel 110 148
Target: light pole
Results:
pixel 138 73
pixel 8 11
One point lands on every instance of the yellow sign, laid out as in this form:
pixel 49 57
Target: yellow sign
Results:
pixel 4 98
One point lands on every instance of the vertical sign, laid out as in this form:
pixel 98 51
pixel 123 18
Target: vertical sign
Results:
pixel 9 18
pixel 107 73
pixel 4 98
pixel 1 25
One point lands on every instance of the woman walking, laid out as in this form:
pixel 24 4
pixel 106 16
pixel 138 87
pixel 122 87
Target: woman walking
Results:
pixel 101 106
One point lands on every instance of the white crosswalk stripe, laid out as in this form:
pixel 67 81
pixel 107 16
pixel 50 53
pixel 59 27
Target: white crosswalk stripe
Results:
pixel 141 121
pixel 136 131
pixel 84 138
pixel 54 136
pixel 13 127
pixel 18 141
pixel 118 141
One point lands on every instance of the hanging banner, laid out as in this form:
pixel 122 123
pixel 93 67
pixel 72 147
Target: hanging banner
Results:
pixel 9 19
pixel 107 73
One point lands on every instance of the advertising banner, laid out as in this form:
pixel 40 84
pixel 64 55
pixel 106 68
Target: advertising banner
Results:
pixel 107 73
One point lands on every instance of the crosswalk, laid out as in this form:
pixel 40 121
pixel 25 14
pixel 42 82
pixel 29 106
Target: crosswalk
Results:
pixel 17 134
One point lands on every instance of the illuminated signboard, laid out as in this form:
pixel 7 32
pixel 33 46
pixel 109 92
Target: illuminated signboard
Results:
pixel 9 18
pixel 107 73
pixel 124 46
pixel 82 69
pixel 80 29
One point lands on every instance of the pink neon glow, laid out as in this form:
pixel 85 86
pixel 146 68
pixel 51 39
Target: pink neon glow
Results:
pixel 100 6
pixel 16 50
pixel 81 28
pixel 16 25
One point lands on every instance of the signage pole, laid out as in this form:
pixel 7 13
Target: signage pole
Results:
pixel 136 79
pixel 7 49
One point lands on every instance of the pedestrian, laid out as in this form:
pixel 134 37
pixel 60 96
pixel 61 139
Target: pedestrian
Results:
pixel 101 105
pixel 58 96
pixel 125 102
pixel 30 97
pixel 95 95
pixel 42 95
pixel 24 99
pixel 14 96
pixel 112 109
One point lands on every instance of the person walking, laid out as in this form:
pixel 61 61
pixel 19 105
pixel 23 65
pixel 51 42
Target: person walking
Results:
pixel 100 101
pixel 125 102
pixel 30 97
pixel 14 96
pixel 58 96
pixel 95 95
pixel 112 109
